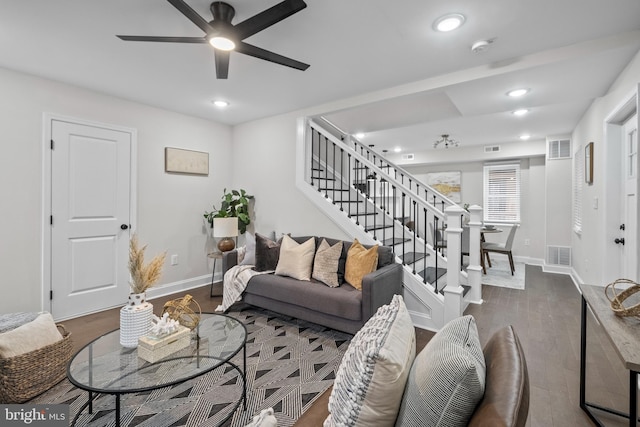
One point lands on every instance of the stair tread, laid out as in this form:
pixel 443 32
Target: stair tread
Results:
pixel 377 227
pixel 430 273
pixel 413 257
pixel 333 189
pixel 364 214
pixel 395 241
pixel 465 290
pixel 323 178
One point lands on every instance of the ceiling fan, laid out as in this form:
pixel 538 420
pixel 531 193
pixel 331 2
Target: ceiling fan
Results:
pixel 226 37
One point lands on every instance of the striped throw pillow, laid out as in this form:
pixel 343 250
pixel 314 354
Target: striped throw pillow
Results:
pixel 447 378
pixel 371 378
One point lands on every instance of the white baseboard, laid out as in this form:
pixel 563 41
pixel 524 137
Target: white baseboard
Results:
pixel 182 285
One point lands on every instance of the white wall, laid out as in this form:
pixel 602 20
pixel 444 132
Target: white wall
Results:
pixel 532 209
pixel 590 247
pixel 264 156
pixel 169 209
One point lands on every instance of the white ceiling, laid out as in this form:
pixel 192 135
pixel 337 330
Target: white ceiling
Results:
pixel 420 83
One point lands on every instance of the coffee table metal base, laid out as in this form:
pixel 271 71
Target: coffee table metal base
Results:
pixel 243 399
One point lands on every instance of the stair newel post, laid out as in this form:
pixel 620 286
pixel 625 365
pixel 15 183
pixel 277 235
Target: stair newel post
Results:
pixel 453 292
pixel 474 270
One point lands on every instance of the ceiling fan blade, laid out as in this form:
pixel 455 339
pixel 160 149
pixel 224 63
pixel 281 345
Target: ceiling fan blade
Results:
pixel 163 39
pixel 257 52
pixel 222 64
pixel 193 16
pixel 268 17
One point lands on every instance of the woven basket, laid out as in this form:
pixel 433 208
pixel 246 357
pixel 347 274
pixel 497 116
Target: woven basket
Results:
pixel 617 299
pixel 27 375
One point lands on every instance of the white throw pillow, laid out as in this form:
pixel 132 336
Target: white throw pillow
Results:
pixel 30 336
pixel 447 379
pixel 249 250
pixel 264 419
pixel 372 375
pixel 296 259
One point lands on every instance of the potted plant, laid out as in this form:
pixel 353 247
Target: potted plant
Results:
pixel 235 204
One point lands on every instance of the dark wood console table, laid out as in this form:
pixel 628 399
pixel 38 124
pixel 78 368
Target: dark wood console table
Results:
pixel 624 335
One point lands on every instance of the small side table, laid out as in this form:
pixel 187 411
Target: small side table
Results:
pixel 215 256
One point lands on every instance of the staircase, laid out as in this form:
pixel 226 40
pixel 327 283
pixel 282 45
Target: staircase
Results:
pixel 378 202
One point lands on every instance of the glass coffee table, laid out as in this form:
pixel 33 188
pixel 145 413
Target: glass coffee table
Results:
pixel 105 367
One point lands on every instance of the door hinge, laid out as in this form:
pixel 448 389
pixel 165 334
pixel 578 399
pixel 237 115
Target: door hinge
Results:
pixel 51 220
pixel 52 144
pixel 50 295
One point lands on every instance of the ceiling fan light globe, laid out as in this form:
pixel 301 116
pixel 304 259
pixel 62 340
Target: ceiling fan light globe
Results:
pixel 222 43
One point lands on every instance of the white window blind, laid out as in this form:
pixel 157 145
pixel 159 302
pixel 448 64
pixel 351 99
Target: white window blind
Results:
pixel 502 192
pixel 578 180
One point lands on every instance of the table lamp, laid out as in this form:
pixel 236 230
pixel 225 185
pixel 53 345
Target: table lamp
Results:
pixel 225 228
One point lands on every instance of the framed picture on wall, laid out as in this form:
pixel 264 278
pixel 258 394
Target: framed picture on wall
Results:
pixel 178 160
pixel 588 163
pixel 447 183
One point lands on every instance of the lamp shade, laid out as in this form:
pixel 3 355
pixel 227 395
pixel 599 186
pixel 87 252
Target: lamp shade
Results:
pixel 225 227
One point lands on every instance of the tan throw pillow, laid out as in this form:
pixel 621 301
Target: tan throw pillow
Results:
pixel 360 262
pixel 373 373
pixel 296 258
pixel 30 336
pixel 325 263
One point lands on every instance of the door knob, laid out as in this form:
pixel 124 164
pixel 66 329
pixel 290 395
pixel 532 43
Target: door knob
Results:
pixel 124 226
pixel 619 241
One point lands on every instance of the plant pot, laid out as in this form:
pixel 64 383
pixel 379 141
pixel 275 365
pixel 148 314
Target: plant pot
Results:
pixel 135 320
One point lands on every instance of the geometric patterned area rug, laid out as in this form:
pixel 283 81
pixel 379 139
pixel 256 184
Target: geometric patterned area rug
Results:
pixel 290 363
pixel 499 274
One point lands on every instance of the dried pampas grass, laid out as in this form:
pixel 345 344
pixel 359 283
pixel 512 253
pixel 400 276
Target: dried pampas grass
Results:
pixel 143 276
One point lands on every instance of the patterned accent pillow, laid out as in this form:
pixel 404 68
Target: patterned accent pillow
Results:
pixel 447 379
pixel 296 259
pixel 267 253
pixel 372 375
pixel 325 264
pixel 360 262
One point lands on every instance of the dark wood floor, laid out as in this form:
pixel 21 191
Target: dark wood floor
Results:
pixel 546 317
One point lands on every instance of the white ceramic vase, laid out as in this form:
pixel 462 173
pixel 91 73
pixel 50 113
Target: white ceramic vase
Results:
pixel 135 320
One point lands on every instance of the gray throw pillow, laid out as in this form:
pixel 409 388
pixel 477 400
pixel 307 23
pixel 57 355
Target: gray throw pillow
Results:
pixel 447 378
pixel 267 253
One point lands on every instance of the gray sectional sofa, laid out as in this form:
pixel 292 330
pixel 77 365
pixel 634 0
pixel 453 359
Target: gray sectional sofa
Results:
pixel 343 308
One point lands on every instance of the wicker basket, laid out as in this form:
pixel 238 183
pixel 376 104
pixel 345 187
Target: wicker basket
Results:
pixel 27 375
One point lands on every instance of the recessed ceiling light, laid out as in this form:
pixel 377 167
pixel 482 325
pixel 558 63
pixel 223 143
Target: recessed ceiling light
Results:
pixel 359 135
pixel 397 149
pixel 525 137
pixel 220 103
pixel 448 22
pixel 520 112
pixel 517 92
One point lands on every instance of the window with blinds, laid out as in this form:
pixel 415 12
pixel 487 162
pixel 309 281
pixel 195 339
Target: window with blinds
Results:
pixel 578 179
pixel 502 192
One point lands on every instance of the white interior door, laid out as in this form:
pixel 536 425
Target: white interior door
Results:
pixel 628 228
pixel 90 208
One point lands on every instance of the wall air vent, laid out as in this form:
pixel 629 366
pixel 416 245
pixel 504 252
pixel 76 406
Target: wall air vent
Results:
pixel 558 149
pixel 559 255
pixel 407 157
pixel 491 148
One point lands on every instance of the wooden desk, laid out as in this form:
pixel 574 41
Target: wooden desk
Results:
pixel 624 334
